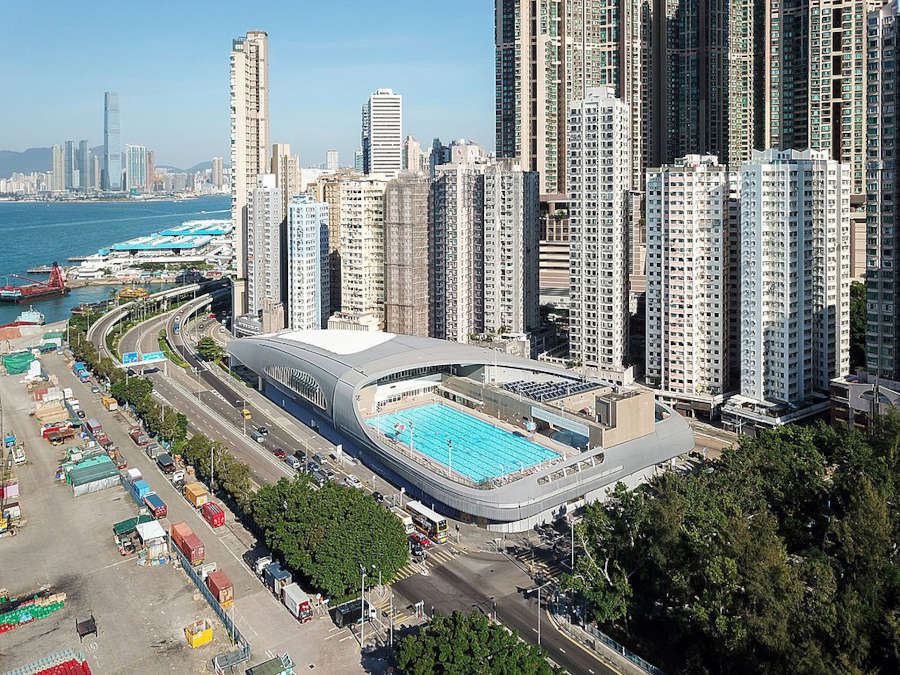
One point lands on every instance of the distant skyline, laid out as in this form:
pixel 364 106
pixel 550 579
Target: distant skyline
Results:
pixel 171 72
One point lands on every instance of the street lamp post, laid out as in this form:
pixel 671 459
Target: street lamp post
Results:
pixel 539 611
pixel 362 600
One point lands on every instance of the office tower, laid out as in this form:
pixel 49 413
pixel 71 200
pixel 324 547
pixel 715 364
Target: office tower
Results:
pixel 96 172
pixel 57 168
pixel 307 263
pixel 382 126
pixel 151 171
pixel 135 167
pixel 332 162
pixel 412 154
pixel 511 231
pixel 218 174
pixel 457 263
pixel 112 150
pixel 599 177
pixel 286 168
pixel 883 195
pixel 70 160
pixel 688 224
pixel 706 78
pixel 84 165
pixel 358 160
pixel 264 244
pixel 407 294
pixel 795 261
pixel 362 247
pixel 249 63
pixel 785 73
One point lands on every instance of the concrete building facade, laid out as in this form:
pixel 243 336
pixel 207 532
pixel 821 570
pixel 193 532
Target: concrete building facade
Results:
pixel 264 244
pixel 308 297
pixel 136 167
pixel 286 168
pixel 382 129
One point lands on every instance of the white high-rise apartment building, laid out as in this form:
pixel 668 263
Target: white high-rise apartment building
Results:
pixel 457 264
pixel 795 285
pixel 249 62
pixel 382 133
pixel 264 244
pixel 332 162
pixel 511 236
pixel 57 168
pixel 362 247
pixel 598 163
pixel 218 172
pixel 689 214
pixel 412 155
pixel 135 167
pixel 307 265
pixel 286 168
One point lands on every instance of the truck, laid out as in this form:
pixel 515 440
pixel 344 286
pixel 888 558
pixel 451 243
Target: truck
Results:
pixel 177 479
pixel 58 427
pixel 221 587
pixel 9 440
pixel 133 475
pixel 118 458
pixel 297 602
pixel 176 327
pixel 110 403
pixel 152 450
pixel 213 514
pixel 78 367
pixel 404 518
pixel 276 578
pixel 139 437
pixel 350 613
pixel 156 505
pixel 165 462
pixel 197 494
pixel 93 426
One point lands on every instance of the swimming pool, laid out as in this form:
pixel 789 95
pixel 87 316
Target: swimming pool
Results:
pixel 479 451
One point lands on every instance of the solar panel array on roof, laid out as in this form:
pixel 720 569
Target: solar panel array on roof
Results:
pixel 547 391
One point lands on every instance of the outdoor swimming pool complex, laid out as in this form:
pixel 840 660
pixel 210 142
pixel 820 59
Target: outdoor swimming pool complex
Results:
pixel 470 446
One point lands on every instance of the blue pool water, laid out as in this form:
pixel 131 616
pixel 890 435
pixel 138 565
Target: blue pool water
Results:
pixel 480 450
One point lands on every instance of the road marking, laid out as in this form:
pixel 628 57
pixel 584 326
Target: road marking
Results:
pixel 579 645
pixel 349 637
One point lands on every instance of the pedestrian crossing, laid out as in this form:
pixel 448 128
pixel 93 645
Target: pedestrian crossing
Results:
pixel 434 557
pixel 538 566
pixel 402 613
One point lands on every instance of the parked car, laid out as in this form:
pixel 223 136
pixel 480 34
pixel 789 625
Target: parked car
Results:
pixel 262 430
pixel 319 478
pixel 378 497
pixel 421 540
pixel 279 453
pixel 258 437
pixel 417 551
pixel 95 390
pixel 352 481
pixel 293 462
pixel 311 467
pixel 319 459
pixel 329 474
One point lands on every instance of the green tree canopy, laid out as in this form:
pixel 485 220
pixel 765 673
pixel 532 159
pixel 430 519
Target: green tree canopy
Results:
pixel 208 349
pixel 326 534
pixel 468 643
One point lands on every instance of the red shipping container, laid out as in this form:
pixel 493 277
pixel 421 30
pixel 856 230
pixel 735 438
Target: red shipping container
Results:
pixel 213 514
pixel 178 531
pixel 220 586
pixel 193 549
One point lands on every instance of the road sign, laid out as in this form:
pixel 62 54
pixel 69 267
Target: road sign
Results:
pixel 152 357
pixel 130 357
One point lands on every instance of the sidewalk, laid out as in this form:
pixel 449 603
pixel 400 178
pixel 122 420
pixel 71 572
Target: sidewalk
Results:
pixel 617 660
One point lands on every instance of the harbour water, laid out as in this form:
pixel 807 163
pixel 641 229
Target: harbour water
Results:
pixel 38 233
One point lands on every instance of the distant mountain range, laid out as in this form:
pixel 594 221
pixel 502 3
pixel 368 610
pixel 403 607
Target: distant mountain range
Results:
pixel 38 159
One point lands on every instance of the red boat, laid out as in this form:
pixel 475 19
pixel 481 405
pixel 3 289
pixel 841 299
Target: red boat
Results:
pixel 36 290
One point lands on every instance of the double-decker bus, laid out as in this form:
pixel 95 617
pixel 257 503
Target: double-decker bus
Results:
pixel 428 522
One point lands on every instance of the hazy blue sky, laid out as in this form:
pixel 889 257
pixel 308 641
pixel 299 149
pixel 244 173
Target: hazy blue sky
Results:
pixel 169 63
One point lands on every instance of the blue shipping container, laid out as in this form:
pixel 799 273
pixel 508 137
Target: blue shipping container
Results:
pixel 142 488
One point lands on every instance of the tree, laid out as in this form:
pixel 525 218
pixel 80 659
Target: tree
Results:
pixel 468 643
pixel 208 349
pixel 857 325
pixel 326 534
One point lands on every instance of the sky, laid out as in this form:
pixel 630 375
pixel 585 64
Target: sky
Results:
pixel 169 63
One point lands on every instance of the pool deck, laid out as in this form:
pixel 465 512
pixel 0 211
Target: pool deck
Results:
pixel 564 451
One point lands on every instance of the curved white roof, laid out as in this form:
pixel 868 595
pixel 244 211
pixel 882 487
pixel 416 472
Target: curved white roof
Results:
pixel 338 341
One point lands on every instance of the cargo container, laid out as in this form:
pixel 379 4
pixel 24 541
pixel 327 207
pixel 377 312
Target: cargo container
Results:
pixel 193 549
pixel 110 403
pixel 297 602
pixel 142 489
pixel 196 494
pixel 133 475
pixel 221 587
pixel 178 531
pixel 213 514
pixel 156 505
pixel 276 578
pixel 198 633
pixel 93 426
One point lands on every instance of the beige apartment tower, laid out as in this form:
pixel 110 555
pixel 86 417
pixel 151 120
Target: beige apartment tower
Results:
pixel 286 168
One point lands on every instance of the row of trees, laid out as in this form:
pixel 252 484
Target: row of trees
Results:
pixel 782 558
pixel 326 534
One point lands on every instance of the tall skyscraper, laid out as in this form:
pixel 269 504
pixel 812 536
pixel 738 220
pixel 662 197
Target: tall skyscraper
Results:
pixel 249 63
pixel 57 168
pixel 96 172
pixel 264 244
pixel 218 172
pixel 358 160
pixel 883 194
pixel 112 149
pixel 706 78
pixel 795 262
pixel 689 217
pixel 332 161
pixel 382 128
pixel 599 177
pixel 307 263
pixel 784 70
pixel 135 167
pixel 84 165
pixel 286 168
pixel 151 171
pixel 457 262
pixel 362 247
pixel 412 154
pixel 407 294
pixel 511 232
pixel 70 168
